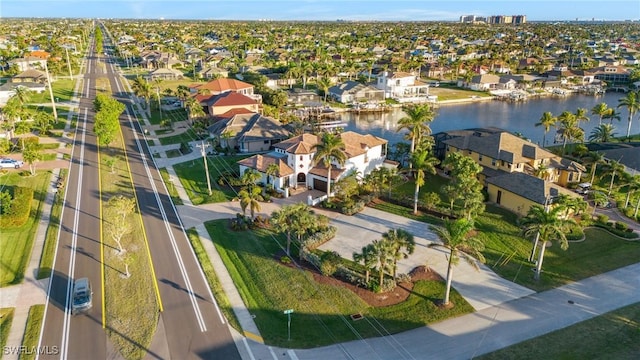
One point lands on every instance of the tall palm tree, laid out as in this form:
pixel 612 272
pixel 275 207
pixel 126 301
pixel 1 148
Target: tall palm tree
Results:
pixel 569 128
pixel 403 245
pixel 193 107
pixel 633 186
pixel 546 226
pixel 546 121
pixel 594 159
pixel 330 149
pixel 612 114
pixel 603 133
pixel 250 198
pixel 423 161
pixel 632 103
pixel 613 168
pixel 324 83
pixel 142 88
pixel 581 115
pixel 456 238
pixel 417 122
pixel 601 110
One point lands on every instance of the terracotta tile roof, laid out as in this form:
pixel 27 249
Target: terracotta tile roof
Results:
pixel 262 162
pixel 233 112
pixel 230 98
pixel 356 144
pixel 203 98
pixel 301 144
pixel 222 85
pixel 321 170
pixel 40 54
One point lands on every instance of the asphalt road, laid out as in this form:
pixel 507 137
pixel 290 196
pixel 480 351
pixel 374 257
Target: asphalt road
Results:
pixel 78 252
pixel 191 326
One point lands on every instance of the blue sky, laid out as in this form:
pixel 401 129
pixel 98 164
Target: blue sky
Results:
pixel 400 10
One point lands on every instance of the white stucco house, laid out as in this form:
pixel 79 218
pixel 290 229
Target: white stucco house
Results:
pixel 403 87
pixel 294 158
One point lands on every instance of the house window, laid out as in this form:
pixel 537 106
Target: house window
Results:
pixel 300 157
pixel 266 141
pixel 493 162
pixel 448 148
pixel 468 152
pixel 570 176
pixel 501 162
pixel 519 165
pixel 480 158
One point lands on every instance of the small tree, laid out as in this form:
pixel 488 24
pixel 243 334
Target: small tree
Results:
pixel 366 257
pixel 32 154
pixel 402 245
pixel 250 197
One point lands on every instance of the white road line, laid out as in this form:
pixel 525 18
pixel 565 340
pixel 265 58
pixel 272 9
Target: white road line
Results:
pixel 174 245
pixel 74 243
pixel 246 345
pixel 292 354
pixel 272 353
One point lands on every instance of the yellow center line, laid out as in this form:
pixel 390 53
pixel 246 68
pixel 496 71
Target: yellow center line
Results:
pixel 144 231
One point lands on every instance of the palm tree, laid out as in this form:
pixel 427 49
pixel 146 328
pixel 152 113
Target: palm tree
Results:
pixel 423 161
pixel 614 166
pixel 612 114
pixel 546 226
pixel 601 110
pixel 251 177
pixel 595 158
pixel 417 122
pixel 324 83
pixel 271 171
pixel 569 128
pixel 632 103
pixel 402 243
pixel 383 251
pixel 329 149
pixel 456 238
pixel 633 185
pixel 581 115
pixel 603 133
pixel 142 88
pixel 250 198
pixel 194 109
pixel 546 121
pixel 368 258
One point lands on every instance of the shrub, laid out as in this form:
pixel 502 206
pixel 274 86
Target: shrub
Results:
pixel 329 262
pixel 240 223
pixel 350 276
pixel 622 233
pixel 602 219
pixel 18 213
pixel 621 226
pixel 351 207
pixel 310 257
pixel 387 285
pixel 285 260
pixel 319 238
pixel 261 222
pixel 403 278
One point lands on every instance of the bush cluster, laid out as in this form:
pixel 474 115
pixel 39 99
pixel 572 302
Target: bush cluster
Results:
pixel 18 214
pixel 319 238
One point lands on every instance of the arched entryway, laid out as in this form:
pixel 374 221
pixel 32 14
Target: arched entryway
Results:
pixel 302 178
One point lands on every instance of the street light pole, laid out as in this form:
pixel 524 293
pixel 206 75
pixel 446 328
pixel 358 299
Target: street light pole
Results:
pixel 53 103
pixel 202 147
pixel 288 312
pixel 68 63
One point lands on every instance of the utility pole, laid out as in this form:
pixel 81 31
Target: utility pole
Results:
pixel 53 103
pixel 202 147
pixel 68 62
pixel 159 104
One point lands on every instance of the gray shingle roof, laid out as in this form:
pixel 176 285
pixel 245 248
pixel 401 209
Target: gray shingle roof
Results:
pixel 529 187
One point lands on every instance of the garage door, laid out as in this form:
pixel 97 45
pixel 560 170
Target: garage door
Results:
pixel 319 184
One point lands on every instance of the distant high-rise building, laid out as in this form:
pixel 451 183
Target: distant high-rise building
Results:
pixel 519 19
pixel 467 18
pixel 494 19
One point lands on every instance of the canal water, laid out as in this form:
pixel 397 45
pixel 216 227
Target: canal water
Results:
pixel 518 117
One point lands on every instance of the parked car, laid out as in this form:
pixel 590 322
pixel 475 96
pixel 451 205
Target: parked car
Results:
pixel 82 296
pixel 10 163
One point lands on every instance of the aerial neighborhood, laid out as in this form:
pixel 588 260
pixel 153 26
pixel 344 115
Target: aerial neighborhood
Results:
pixel 221 189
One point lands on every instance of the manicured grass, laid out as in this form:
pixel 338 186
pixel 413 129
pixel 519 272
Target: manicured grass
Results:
pixel 171 188
pixel 507 252
pixel 614 335
pixel 212 279
pixel 406 212
pixel 48 156
pixel 32 331
pixel 16 243
pixel 173 153
pixel 186 136
pixel 62 90
pixel 321 312
pixel 131 303
pixel 444 93
pixel 173 115
pixel 51 239
pixel 193 178
pixel 6 316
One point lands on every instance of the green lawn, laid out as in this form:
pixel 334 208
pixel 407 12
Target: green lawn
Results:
pixel 171 188
pixel 507 252
pixel 131 320
pixel 51 239
pixel 62 90
pixel 212 279
pixel 614 335
pixel 193 178
pixel 16 243
pixel 186 136
pixel 321 312
pixel 173 115
pixel 32 331
pixel 6 316
pixel 446 93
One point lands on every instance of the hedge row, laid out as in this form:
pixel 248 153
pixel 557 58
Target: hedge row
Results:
pixel 20 208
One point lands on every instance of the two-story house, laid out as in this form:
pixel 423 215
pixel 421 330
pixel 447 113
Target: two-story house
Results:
pixel 352 92
pixel 219 86
pixel 295 158
pixel 29 62
pixel 403 87
pixel 248 132
pixel 221 103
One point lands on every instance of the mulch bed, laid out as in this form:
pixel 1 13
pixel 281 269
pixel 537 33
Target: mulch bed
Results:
pixel 398 295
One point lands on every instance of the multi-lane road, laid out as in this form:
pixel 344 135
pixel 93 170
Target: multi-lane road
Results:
pixel 192 325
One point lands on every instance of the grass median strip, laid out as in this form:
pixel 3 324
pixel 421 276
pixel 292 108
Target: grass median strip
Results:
pixel 6 317
pixel 321 311
pixel 51 239
pixel 171 187
pixel 130 301
pixel 32 331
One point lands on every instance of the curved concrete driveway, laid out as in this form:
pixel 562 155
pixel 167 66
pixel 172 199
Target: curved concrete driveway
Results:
pixel 482 289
